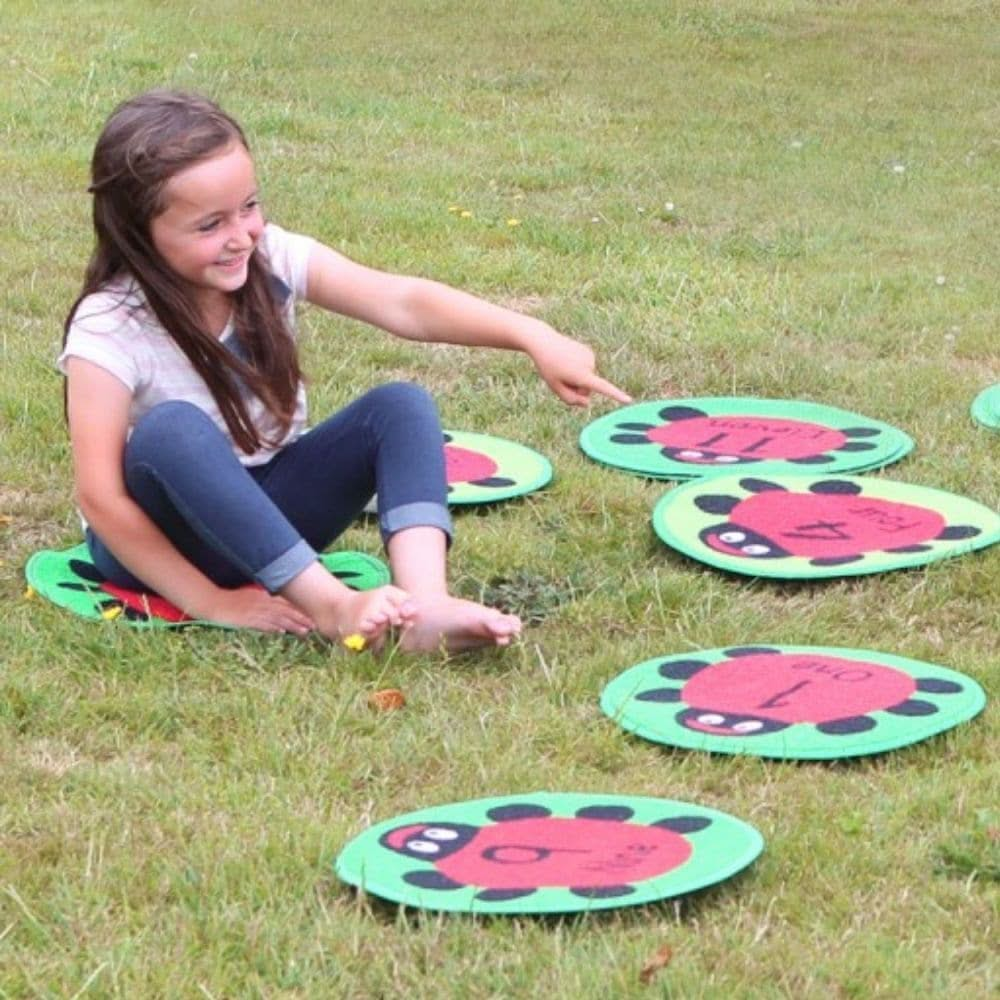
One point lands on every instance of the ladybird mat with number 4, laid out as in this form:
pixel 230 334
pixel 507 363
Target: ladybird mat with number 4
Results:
pixel 705 436
pixel 793 702
pixel 547 852
pixel 804 527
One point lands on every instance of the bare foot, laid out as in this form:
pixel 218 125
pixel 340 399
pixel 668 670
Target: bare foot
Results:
pixel 368 613
pixel 455 624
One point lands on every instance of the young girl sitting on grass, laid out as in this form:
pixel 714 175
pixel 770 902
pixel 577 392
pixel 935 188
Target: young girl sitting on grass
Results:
pixel 187 410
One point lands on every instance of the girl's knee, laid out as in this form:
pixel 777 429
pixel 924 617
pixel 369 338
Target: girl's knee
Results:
pixel 174 413
pixel 170 427
pixel 404 397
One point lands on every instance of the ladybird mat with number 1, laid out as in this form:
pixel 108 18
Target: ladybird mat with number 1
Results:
pixel 792 702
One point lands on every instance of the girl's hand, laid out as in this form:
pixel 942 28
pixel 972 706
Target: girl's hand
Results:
pixel 253 607
pixel 569 370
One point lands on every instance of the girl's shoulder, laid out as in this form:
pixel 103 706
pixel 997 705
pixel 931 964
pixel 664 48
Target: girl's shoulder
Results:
pixel 288 256
pixel 116 306
pixel 115 329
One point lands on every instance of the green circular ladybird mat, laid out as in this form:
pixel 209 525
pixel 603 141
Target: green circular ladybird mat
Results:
pixel 801 527
pixel 547 852
pixel 805 702
pixel 986 407
pixel 71 580
pixel 689 438
pixel 483 469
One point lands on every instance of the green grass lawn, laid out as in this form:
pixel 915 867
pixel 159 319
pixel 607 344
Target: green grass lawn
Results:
pixel 781 198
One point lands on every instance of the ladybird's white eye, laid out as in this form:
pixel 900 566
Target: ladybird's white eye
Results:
pixel 440 833
pixel 732 537
pixel 726 458
pixel 423 846
pixel 749 726
pixel 755 550
pixel 689 454
pixel 711 719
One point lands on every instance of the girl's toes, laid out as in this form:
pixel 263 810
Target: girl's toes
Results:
pixel 505 626
pixel 368 627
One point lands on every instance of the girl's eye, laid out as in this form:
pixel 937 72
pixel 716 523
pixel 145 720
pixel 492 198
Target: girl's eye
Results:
pixel 251 205
pixel 207 227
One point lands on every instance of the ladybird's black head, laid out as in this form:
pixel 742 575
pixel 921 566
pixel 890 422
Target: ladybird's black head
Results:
pixel 735 540
pixel 710 720
pixel 701 456
pixel 429 841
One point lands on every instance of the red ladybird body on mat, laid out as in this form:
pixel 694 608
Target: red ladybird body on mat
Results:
pixel 596 853
pixel 463 465
pixel 830 525
pixel 691 436
pixel 758 690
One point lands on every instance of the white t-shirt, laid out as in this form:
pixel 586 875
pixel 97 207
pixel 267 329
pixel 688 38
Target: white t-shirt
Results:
pixel 114 329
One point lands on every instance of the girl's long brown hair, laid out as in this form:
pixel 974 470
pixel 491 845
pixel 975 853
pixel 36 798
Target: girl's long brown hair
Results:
pixel 146 141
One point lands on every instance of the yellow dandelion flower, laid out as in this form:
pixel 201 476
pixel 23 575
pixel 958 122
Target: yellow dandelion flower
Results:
pixel 354 642
pixel 465 214
pixel 29 593
pixel 454 208
pixel 110 614
pixel 513 222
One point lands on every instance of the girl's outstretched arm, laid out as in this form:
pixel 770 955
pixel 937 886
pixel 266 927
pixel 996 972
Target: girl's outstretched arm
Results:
pixel 98 406
pixel 419 309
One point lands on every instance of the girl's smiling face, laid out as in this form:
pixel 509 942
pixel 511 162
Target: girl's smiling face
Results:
pixel 210 226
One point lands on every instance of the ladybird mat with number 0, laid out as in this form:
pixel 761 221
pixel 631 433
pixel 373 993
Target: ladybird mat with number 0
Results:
pixel 705 436
pixel 805 527
pixel 547 852
pixel 793 702
pixel 70 579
